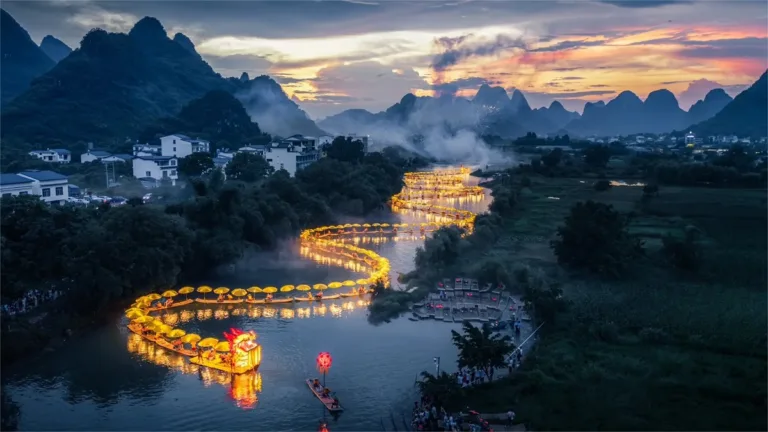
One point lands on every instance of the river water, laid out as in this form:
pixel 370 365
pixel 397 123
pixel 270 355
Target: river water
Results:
pixel 111 379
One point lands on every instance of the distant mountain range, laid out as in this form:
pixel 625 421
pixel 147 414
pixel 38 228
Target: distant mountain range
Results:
pixel 116 85
pixel 747 114
pixel 54 48
pixel 493 112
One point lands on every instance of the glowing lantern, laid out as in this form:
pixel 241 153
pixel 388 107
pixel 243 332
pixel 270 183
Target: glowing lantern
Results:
pixel 324 362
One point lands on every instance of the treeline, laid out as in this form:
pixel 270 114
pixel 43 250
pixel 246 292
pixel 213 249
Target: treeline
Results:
pixel 101 255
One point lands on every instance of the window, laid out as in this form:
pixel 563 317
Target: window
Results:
pixel 173 162
pixel 165 174
pixel 47 192
pixel 174 141
pixel 59 190
pixel 174 149
pixel 269 160
pixel 148 174
pixel 173 172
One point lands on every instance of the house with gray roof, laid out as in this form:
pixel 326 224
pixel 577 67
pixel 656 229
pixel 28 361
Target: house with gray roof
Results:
pixel 15 185
pixel 94 155
pixel 52 187
pixel 53 155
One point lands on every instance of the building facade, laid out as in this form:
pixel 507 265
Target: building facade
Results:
pixel 180 146
pixel 52 187
pixel 53 155
pixel 156 168
pixel 15 185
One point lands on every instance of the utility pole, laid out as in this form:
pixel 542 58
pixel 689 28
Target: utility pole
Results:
pixel 437 366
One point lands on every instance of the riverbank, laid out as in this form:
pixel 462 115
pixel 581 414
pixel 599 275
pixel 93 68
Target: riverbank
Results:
pixel 661 349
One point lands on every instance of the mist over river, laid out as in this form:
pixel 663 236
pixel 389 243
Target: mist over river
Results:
pixel 110 379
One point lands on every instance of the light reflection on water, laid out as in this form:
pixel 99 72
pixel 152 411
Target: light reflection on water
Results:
pixel 95 383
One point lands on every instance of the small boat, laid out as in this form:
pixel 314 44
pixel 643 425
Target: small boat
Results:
pixel 330 297
pixel 327 401
pixel 216 301
pixel 173 305
pixel 262 301
pixel 281 300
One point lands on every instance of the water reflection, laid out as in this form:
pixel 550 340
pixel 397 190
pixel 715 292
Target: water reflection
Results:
pixel 244 388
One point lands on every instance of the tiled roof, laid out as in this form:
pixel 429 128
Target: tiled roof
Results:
pixel 9 179
pixel 61 151
pixel 123 156
pixel 100 153
pixel 43 175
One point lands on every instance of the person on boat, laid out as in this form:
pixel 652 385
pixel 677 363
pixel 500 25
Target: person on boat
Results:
pixel 269 297
pixel 220 298
pixel 316 384
pixel 326 392
pixel 335 403
pixel 229 297
pixel 319 295
pixel 249 298
pixel 177 343
pixel 169 302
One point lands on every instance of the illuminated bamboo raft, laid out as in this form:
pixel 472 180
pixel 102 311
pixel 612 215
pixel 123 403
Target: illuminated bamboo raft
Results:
pixel 334 245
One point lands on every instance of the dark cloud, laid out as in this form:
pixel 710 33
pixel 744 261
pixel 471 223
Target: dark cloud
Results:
pixel 643 3
pixel 461 48
pixel 282 79
pixel 756 48
pixel 598 86
pixel 452 87
pixel 568 45
pixel 570 78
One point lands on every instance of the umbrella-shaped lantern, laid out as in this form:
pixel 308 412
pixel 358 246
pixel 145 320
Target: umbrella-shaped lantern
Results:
pixel 134 313
pixel 222 346
pixel 144 319
pixel 348 283
pixel 269 290
pixel 176 333
pixel 208 342
pixel 363 281
pixel 187 290
pixel 221 290
pixel 154 296
pixel 239 292
pixel 320 286
pixel 303 287
pixel 287 288
pixel 170 293
pixel 254 290
pixel 163 329
pixel 334 285
pixel 205 289
pixel 191 338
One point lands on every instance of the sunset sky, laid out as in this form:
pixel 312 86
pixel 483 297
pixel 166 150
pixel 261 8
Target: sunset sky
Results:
pixel 331 56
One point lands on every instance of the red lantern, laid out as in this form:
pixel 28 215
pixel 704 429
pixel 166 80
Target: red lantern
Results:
pixel 324 361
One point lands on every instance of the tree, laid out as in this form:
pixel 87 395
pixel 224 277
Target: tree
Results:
pixel 248 167
pixel 553 158
pixel 595 238
pixel 683 254
pixel 597 156
pixel 346 149
pixel 195 164
pixel 444 389
pixel 481 348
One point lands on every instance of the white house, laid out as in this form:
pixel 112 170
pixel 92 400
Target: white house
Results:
pixel 93 155
pixel 690 139
pixel 285 155
pixel 147 150
pixel 182 146
pixel 156 168
pixel 14 185
pixel 52 187
pixel 53 155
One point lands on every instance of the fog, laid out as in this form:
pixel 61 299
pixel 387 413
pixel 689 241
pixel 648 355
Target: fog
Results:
pixel 447 129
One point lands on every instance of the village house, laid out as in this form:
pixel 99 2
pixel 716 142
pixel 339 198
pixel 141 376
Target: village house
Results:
pixel 50 186
pixel 180 146
pixel 93 155
pixel 151 170
pixel 15 185
pixel 147 150
pixel 53 155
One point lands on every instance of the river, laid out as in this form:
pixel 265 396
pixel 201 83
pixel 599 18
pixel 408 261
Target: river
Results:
pixel 111 379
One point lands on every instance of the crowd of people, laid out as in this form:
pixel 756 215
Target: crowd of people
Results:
pixel 428 416
pixel 31 300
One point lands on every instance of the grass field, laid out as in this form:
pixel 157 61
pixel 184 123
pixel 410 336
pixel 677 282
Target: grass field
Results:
pixel 658 350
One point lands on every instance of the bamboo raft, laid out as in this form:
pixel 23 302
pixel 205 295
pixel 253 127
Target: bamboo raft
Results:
pixel 173 305
pixel 328 402
pixel 208 301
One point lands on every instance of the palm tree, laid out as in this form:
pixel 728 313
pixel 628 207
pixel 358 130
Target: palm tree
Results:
pixel 481 348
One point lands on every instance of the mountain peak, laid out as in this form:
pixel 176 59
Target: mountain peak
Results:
pixel 22 61
pixel 491 96
pixel 185 42
pixel 556 105
pixel 717 94
pixel 518 101
pixel 149 29
pixel 662 98
pixel 54 48
pixel 244 77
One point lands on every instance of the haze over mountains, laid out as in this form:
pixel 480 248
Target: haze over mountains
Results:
pixel 114 86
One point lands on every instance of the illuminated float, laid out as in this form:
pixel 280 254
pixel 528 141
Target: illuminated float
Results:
pixel 332 245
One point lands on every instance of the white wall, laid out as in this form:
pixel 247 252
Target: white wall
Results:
pixel 87 157
pixel 56 190
pixel 281 158
pixel 175 146
pixel 150 168
pixel 16 189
